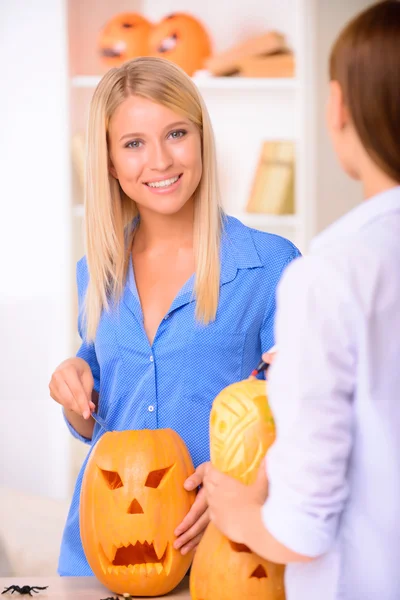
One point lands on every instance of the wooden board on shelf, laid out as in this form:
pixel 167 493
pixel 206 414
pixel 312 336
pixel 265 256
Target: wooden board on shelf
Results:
pixel 227 62
pixel 280 65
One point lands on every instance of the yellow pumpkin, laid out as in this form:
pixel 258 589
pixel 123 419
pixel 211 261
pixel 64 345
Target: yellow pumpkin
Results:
pixel 132 499
pixel 241 431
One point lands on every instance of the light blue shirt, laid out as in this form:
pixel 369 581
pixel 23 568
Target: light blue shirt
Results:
pixel 334 469
pixel 174 382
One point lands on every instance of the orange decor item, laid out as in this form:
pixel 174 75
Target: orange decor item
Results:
pixel 124 37
pixel 181 39
pixel 132 500
pixel 241 431
pixel 229 62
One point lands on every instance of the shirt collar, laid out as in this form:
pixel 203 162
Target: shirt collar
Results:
pixel 356 219
pixel 237 249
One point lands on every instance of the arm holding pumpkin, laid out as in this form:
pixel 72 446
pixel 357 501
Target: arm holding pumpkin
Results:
pixel 310 392
pixel 236 509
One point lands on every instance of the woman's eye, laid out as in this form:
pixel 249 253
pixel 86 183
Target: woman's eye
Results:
pixel 179 133
pixel 134 144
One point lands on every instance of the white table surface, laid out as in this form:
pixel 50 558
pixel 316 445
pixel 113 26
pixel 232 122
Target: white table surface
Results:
pixel 68 588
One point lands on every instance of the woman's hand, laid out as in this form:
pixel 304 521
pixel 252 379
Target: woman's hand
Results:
pixel 231 502
pixel 71 386
pixel 190 531
pixel 268 357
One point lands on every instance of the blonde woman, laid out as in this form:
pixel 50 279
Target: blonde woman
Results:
pixel 176 299
pixel 334 471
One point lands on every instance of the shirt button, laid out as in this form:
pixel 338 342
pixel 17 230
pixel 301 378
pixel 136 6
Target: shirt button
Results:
pixel 151 408
pixel 166 317
pixel 151 358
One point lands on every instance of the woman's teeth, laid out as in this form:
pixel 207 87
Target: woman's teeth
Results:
pixel 165 183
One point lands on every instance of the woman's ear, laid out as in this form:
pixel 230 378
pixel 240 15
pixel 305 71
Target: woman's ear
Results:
pixel 337 114
pixel 111 168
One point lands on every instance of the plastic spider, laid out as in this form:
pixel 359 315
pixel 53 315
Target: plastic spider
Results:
pixel 25 589
pixel 116 597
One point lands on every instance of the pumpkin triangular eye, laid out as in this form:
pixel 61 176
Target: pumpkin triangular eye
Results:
pixel 154 478
pixel 259 572
pixel 238 547
pixel 112 479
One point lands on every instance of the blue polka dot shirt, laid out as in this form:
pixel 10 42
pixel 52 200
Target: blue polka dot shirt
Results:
pixel 174 382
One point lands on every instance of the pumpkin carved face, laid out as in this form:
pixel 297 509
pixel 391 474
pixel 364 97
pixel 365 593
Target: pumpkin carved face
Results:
pixel 182 39
pixel 132 500
pixel 230 571
pixel 124 37
pixel 241 431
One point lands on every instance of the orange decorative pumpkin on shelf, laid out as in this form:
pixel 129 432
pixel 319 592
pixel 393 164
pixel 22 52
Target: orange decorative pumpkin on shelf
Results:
pixel 124 37
pixel 132 499
pixel 241 431
pixel 182 39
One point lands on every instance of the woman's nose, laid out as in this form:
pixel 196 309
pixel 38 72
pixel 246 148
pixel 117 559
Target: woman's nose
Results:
pixel 160 158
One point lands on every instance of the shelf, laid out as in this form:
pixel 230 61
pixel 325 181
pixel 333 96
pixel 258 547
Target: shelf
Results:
pixel 244 83
pixel 262 221
pixel 208 82
pixel 259 221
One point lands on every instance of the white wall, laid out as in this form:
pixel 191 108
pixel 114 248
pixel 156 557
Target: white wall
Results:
pixel 336 192
pixel 34 243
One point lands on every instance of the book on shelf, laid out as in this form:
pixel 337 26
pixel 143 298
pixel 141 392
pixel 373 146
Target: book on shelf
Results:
pixel 272 190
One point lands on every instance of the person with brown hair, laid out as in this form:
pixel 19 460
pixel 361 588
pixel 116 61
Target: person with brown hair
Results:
pixel 327 498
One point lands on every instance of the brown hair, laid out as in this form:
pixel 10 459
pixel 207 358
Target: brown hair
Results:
pixel 365 61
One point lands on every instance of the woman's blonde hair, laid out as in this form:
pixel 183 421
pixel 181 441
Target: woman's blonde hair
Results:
pixel 109 212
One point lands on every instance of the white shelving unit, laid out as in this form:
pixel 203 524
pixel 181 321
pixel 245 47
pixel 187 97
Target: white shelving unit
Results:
pixel 208 82
pixel 244 111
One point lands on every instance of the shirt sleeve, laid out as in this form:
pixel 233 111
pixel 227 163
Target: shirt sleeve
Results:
pixel 310 390
pixel 87 349
pixel 267 327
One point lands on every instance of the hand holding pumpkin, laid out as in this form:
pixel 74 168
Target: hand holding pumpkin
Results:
pixel 231 502
pixel 71 386
pixel 191 529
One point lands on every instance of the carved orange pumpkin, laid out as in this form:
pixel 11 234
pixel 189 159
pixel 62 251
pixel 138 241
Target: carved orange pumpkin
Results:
pixel 181 39
pixel 124 37
pixel 241 431
pixel 132 500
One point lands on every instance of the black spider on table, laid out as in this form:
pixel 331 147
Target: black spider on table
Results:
pixel 25 589
pixel 116 597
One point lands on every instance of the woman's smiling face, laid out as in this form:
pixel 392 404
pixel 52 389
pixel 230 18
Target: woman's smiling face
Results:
pixel 155 153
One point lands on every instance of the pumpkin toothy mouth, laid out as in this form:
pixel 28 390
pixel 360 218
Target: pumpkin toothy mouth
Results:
pixel 140 558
